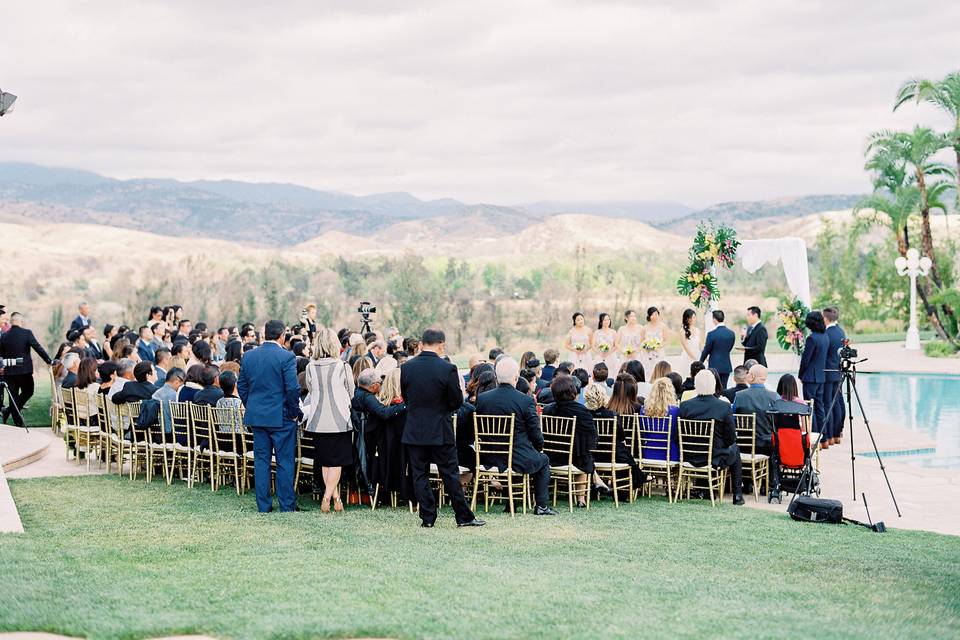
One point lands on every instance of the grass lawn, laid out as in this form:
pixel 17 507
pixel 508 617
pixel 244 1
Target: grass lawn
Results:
pixel 109 558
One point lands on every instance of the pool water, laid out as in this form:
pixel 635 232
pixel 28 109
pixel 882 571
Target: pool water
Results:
pixel 925 403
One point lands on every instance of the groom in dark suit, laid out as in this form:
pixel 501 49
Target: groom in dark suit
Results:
pixel 754 339
pixel 717 348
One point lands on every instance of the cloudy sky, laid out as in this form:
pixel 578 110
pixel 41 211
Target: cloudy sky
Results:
pixel 489 101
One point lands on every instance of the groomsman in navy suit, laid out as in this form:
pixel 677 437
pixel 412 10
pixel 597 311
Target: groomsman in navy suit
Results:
pixel 836 335
pixel 718 346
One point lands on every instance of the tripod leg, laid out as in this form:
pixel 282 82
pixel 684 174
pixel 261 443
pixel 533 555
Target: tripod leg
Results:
pixel 853 456
pixel 876 451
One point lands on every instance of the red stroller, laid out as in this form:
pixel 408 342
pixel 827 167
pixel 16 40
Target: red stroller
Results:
pixel 791 450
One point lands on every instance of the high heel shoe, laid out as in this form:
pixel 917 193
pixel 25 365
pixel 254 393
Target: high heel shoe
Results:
pixel 325 505
pixel 337 504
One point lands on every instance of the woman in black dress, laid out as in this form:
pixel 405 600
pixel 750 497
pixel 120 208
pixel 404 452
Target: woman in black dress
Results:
pixel 565 405
pixel 624 402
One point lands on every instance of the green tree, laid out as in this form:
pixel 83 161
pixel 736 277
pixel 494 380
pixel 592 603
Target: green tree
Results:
pixel 494 278
pixel 944 94
pixel 55 329
pixel 414 294
pixel 909 157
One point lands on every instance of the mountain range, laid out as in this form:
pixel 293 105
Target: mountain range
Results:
pixel 284 215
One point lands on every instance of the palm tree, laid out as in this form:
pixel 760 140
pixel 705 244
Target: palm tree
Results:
pixel 904 167
pixel 945 95
pixel 893 210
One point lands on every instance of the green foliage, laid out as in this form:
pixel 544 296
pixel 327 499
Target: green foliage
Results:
pixel 939 349
pixel 494 277
pixel 55 329
pixel 414 294
pixel 352 276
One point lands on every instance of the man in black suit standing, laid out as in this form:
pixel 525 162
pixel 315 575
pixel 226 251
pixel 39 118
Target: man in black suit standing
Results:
pixel 718 346
pixel 754 338
pixel 836 335
pixel 430 387
pixel 706 406
pixel 505 400
pixel 17 342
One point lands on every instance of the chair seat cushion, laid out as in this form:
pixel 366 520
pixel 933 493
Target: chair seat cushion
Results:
pixel 648 462
pixel 754 457
pixel 564 468
pixel 227 454
pixel 307 461
pixel 610 466
pixel 436 471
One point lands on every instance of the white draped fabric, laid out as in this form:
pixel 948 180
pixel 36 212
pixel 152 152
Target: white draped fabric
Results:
pixel 791 252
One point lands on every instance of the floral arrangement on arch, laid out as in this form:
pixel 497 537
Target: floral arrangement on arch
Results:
pixel 713 245
pixel 792 331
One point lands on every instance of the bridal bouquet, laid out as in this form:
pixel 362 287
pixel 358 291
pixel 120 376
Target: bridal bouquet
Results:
pixel 791 333
pixel 652 344
pixel 579 347
pixel 603 347
pixel 713 245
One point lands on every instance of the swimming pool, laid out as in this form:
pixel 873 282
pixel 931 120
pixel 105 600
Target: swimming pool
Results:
pixel 926 403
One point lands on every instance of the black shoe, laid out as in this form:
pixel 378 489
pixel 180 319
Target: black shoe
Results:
pixel 6 415
pixel 544 511
pixel 581 504
pixel 748 488
pixel 472 523
pixel 738 499
pixel 426 525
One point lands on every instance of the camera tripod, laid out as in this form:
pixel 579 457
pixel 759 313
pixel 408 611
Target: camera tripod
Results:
pixel 848 379
pixel 14 409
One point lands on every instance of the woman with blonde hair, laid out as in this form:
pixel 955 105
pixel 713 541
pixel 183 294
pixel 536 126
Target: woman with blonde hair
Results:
pixel 358 366
pixel 326 410
pixel 662 403
pixel 661 370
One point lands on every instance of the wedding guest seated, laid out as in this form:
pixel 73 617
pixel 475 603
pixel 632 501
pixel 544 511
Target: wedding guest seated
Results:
pixel 623 402
pixel 167 393
pixel 695 367
pixel 749 363
pixel 566 405
pixel 635 369
pixel 740 375
pixel 707 406
pixel 71 364
pixel 475 359
pixel 601 376
pixel 88 388
pixel 662 403
pixel 495 353
pixel 787 388
pixel 125 369
pixel 210 393
pixel 525 358
pixel 162 364
pixel 193 384
pixel 550 357
pixel 582 379
pixel 677 381
pixel 529 376
pixel 757 400
pixel 142 387
pixel 401 357
pixel 230 400
pixel 527 437
pixel 718 391
pixel 107 371
pixel 661 370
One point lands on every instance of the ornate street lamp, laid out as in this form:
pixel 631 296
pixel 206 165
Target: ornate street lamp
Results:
pixel 913 265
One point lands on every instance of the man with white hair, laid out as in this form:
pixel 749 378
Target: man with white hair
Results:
pixel 758 400
pixel 124 375
pixel 430 387
pixel 505 400
pixel 706 406
pixel 71 362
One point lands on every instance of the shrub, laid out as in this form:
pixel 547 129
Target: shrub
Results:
pixel 939 349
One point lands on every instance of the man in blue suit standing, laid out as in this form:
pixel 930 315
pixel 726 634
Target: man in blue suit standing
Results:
pixel 269 390
pixel 836 335
pixel 718 346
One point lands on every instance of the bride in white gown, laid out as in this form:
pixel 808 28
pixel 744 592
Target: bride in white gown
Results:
pixel 690 343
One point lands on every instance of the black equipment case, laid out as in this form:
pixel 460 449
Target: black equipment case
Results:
pixel 810 509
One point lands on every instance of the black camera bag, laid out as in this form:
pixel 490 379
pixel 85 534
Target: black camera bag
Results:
pixel 810 509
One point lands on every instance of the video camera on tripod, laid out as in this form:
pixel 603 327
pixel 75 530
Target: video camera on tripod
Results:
pixel 10 362
pixel 365 310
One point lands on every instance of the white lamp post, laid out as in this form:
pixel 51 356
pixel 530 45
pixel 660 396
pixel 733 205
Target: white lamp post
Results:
pixel 913 265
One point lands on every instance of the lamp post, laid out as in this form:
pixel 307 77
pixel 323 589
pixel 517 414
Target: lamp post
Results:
pixel 913 265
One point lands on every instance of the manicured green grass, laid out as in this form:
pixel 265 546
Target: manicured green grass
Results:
pixel 109 558
pixel 37 413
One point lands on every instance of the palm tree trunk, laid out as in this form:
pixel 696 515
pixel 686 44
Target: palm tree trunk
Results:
pixel 926 244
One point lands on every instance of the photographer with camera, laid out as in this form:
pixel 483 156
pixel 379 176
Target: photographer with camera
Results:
pixel 15 346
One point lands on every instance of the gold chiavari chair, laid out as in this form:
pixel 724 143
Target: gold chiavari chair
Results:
pixel 494 438
pixel 436 481
pixel 305 458
pixel 201 435
pixel 110 416
pixel 696 443
pixel 227 444
pixel 88 436
pixel 160 445
pixel 56 404
pixel 182 449
pixel 756 464
pixel 558 440
pixel 618 475
pixel 139 439
pixel 654 444
pixel 71 430
pixel 806 423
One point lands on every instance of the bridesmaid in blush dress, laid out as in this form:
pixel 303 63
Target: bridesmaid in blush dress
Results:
pixel 655 328
pixel 629 337
pixel 578 343
pixel 605 344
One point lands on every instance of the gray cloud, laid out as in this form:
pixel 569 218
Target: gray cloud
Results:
pixel 494 101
